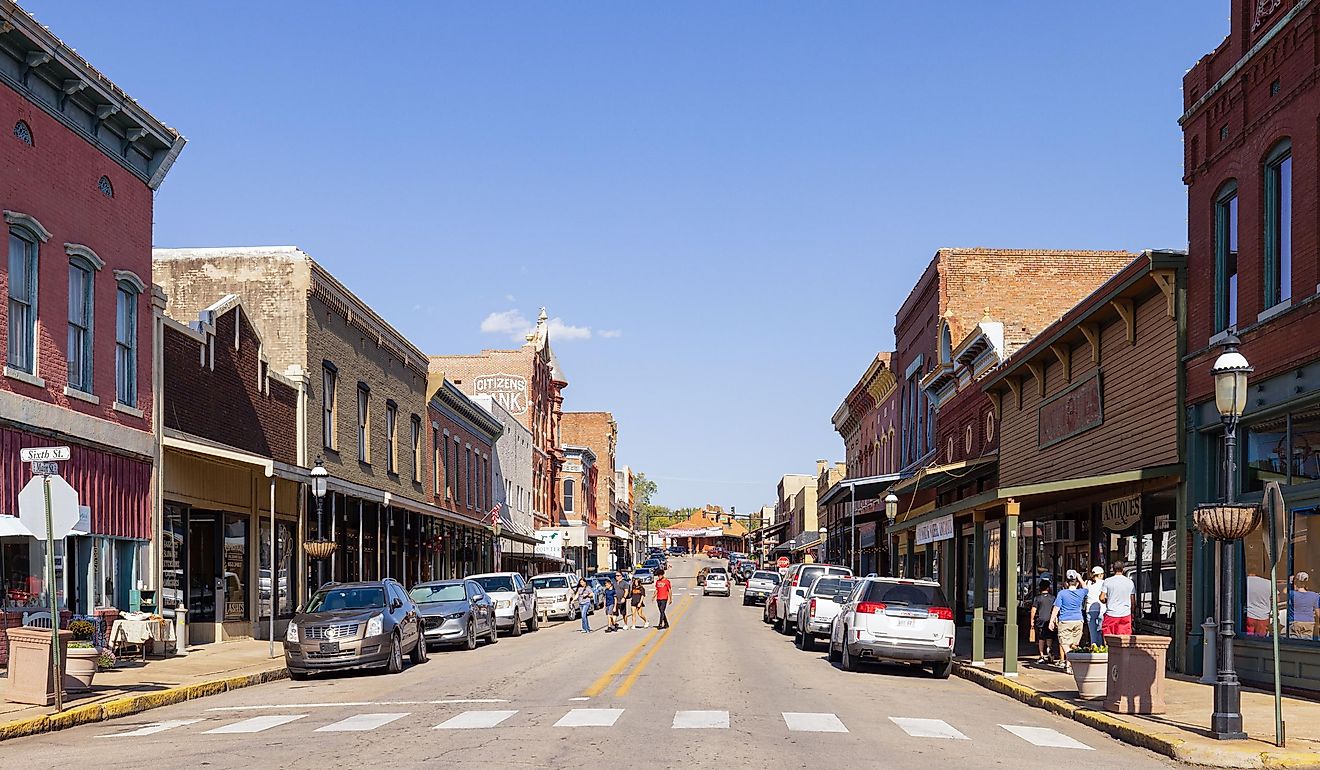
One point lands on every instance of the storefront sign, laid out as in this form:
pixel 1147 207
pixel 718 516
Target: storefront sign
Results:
pixel 509 390
pixel 1075 410
pixel 572 467
pixel 939 529
pixel 1119 515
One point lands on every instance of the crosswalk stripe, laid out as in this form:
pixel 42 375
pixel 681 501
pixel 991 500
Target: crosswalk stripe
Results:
pixel 1046 736
pixel 255 724
pixel 799 722
pixel 928 728
pixel 701 719
pixel 474 720
pixel 590 718
pixel 153 728
pixel 361 723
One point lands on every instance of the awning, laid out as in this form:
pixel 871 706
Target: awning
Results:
pixel 814 543
pixel 12 526
pixel 769 529
pixel 931 477
pixel 518 537
pixel 868 488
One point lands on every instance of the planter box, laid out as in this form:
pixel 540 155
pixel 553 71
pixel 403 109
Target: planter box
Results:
pixel 1136 674
pixel 79 668
pixel 1091 672
pixel 30 679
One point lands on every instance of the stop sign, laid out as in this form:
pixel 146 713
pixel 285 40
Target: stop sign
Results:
pixel 781 562
pixel 63 507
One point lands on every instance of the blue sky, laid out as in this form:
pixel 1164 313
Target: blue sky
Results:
pixel 733 198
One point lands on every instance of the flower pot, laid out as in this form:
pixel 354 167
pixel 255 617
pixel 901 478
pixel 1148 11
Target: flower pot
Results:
pixel 80 668
pixel 1091 672
pixel 320 549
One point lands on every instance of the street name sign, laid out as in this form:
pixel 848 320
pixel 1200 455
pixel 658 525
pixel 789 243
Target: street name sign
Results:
pixel 63 507
pixel 44 454
pixel 43 468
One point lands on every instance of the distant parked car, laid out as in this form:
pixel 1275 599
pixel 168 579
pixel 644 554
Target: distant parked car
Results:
pixel 515 600
pixel 716 583
pixel 767 615
pixel 896 620
pixel 455 612
pixel 645 575
pixel 793 590
pixel 554 594
pixel 370 624
pixel 760 586
pixel 816 614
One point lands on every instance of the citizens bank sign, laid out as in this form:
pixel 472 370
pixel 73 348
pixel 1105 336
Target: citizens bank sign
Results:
pixel 509 390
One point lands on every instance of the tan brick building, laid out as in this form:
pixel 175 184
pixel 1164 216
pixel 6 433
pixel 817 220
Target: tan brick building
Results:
pixel 599 432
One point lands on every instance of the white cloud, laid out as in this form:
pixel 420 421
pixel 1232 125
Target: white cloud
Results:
pixel 514 325
pixel 610 333
pixel 562 331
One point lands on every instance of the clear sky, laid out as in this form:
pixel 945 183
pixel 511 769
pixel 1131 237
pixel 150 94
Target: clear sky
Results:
pixel 723 203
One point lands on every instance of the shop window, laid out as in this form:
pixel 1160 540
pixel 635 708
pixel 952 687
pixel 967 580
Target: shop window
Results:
pixel 235 563
pixel 1266 454
pixel 1226 258
pixel 1303 619
pixel 23 572
pixel 1304 449
pixel 1278 224
pixel 276 573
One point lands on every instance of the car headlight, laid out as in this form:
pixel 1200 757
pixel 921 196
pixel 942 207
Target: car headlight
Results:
pixel 292 634
pixel 503 604
pixel 455 615
pixel 376 626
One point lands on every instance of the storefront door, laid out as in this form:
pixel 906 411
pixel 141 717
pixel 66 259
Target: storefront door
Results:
pixel 206 569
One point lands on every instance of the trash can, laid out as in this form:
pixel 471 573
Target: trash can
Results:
pixel 1136 674
pixel 30 679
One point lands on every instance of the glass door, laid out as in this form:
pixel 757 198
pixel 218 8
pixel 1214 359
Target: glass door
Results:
pixel 203 567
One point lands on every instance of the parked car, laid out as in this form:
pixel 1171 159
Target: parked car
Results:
pixel 716 583
pixel 515 600
pixel 816 614
pixel 701 575
pixel 793 590
pixel 895 620
pixel 760 586
pixel 742 571
pixel 455 612
pixel 598 592
pixel 554 594
pixel 354 625
pixel 768 614
pixel 645 575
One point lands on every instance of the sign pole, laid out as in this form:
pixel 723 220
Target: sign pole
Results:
pixel 1276 540
pixel 54 608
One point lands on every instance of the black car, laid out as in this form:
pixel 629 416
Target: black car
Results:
pixel 456 612
pixel 371 624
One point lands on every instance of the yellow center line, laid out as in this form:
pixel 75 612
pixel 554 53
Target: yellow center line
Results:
pixel 627 683
pixel 603 683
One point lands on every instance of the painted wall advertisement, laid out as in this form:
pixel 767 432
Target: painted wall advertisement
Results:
pixel 510 390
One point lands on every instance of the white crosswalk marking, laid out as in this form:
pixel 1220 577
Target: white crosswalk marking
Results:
pixel 255 724
pixel 474 720
pixel 360 723
pixel 701 719
pixel 813 723
pixel 1046 736
pixel 928 728
pixel 590 718
pixel 153 728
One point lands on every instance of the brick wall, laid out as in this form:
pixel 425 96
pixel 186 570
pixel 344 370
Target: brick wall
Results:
pixel 454 493
pixel 599 432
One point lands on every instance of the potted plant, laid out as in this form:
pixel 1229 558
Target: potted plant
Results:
pixel 83 657
pixel 1090 669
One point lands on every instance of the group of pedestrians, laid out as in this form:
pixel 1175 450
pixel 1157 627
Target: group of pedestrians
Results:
pixel 1098 607
pixel 625 602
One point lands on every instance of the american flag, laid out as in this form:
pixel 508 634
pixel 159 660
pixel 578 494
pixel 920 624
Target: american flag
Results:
pixel 495 513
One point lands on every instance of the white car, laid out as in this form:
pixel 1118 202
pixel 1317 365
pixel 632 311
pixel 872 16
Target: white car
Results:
pixel 895 620
pixel 716 583
pixel 816 614
pixel 793 590
pixel 554 594
pixel 515 600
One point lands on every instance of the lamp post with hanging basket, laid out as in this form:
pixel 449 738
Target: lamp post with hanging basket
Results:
pixel 320 548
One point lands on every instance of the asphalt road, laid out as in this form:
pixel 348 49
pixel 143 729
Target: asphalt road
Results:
pixel 720 689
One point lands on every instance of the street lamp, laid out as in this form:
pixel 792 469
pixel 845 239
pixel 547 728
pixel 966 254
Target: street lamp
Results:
pixel 1226 523
pixel 891 515
pixel 320 548
pixel 824 549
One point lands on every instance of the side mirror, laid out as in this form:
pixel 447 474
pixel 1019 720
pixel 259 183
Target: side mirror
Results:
pixel 799 592
pixel 395 604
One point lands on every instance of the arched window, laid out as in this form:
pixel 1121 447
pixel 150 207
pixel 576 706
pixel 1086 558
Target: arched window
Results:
pixel 83 266
pixel 26 235
pixel 1278 224
pixel 1226 256
pixel 568 495
pixel 107 189
pixel 946 344
pixel 23 132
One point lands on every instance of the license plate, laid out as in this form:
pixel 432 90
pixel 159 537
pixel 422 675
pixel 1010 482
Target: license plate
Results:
pixel 329 647
pixel 906 623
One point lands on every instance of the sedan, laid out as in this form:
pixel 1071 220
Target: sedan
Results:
pixel 644 575
pixel 455 612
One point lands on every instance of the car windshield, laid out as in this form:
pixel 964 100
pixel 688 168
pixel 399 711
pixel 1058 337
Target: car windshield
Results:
pixel 495 583
pixel 334 599
pixel 906 595
pixel 773 577
pixel 718 569
pixel 642 572
pixel 549 581
pixel 830 586
pixel 424 594
pixel 716 576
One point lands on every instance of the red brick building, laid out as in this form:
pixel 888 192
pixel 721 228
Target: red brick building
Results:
pixel 1250 166
pixel 462 440
pixel 82 162
pixel 599 432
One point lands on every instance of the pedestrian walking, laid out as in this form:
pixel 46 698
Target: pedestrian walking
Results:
pixel 609 607
pixel 586 597
pixel 624 583
pixel 1116 594
pixel 1042 609
pixel 663 590
pixel 639 604
pixel 1066 620
pixel 1095 609
pixel 1303 608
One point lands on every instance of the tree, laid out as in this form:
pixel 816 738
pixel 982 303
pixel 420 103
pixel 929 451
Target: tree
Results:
pixel 643 489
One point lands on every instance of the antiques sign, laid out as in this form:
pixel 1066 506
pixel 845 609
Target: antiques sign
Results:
pixel 1075 410
pixel 509 390
pixel 938 529
pixel 1119 515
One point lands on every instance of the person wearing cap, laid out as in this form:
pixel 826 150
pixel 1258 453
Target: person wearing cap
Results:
pixel 1303 608
pixel 1067 618
pixel 1094 609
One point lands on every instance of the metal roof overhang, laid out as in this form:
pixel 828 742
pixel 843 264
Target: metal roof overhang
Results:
pixel 931 477
pixel 867 488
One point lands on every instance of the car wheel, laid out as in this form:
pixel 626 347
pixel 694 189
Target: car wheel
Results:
pixel 395 664
pixel 298 676
pixel 785 627
pixel 471 642
pixel 806 642
pixel 517 625
pixel 494 632
pixel 745 602
pixel 776 624
pixel 833 654
pixel 419 653
pixel 534 623
pixel 942 670
pixel 847 661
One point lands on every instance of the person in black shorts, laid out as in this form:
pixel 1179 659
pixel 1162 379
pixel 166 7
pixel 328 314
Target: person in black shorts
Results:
pixel 1042 608
pixel 639 603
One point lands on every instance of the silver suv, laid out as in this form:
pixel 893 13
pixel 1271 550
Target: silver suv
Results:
pixel 354 625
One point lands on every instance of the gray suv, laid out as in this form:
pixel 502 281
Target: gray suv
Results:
pixel 354 625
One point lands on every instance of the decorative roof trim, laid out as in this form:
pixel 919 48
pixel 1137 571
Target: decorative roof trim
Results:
pixel 28 221
pixel 85 252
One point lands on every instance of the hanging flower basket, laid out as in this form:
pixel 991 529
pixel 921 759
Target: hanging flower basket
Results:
pixel 320 549
pixel 1227 521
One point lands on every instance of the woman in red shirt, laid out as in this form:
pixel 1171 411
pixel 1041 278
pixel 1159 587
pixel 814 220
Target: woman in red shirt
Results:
pixel 663 590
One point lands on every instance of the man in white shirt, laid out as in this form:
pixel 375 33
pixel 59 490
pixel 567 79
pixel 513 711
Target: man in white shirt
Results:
pixel 1116 594
pixel 1258 605
pixel 1095 609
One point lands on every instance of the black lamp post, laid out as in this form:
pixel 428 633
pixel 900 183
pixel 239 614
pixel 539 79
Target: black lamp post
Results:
pixel 891 515
pixel 320 548
pixel 1226 523
pixel 824 547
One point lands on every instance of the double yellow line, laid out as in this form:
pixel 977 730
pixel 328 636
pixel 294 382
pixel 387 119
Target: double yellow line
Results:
pixel 606 679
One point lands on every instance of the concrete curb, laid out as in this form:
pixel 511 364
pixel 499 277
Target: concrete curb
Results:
pixel 134 704
pixel 1174 748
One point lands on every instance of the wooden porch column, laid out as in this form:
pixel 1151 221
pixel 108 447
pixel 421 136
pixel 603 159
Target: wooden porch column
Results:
pixel 979 564
pixel 1010 561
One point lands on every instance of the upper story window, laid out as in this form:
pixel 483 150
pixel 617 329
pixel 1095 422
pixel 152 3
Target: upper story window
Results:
pixel 467 480
pixel 946 345
pixel 1226 258
pixel 435 461
pixel 364 423
pixel 391 437
pixel 78 354
pixel 568 495
pixel 23 133
pixel 126 341
pixel 329 405
pixel 21 353
pixel 107 189
pixel 1278 224
pixel 449 478
pixel 417 448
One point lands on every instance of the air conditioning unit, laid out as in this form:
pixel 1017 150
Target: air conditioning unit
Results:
pixel 1058 531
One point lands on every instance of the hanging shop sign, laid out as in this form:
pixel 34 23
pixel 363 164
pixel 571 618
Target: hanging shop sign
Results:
pixel 1119 515
pixel 1075 410
pixel 937 529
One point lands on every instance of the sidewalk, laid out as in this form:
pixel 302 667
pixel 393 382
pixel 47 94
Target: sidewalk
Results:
pixel 134 686
pixel 1181 733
